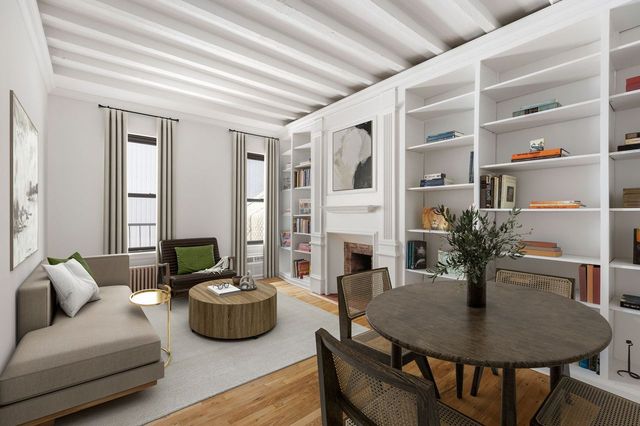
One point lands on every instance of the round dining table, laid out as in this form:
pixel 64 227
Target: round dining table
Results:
pixel 518 328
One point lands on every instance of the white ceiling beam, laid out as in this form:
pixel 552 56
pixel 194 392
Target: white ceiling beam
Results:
pixel 215 15
pixel 130 16
pixel 58 20
pixel 300 14
pixel 33 25
pixel 77 81
pixel 118 56
pixel 124 74
pixel 477 11
pixel 403 20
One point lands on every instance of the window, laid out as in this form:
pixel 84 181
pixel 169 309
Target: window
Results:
pixel 255 198
pixel 142 186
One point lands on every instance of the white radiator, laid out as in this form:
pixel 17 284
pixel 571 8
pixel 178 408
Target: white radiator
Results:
pixel 143 277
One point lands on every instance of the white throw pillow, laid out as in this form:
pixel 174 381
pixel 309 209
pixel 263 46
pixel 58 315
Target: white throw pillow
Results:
pixel 73 285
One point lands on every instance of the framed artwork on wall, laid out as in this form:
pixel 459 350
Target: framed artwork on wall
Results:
pixel 24 183
pixel 352 158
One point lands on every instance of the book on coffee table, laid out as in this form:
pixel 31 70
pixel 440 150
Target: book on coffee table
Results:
pixel 223 291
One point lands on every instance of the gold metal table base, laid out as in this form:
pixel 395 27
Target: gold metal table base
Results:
pixel 152 297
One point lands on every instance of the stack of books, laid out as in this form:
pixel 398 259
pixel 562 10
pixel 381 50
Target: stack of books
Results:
pixel 302 177
pixel 632 83
pixel 631 141
pixel 556 204
pixel 592 363
pixel 416 254
pixel 304 247
pixel 435 179
pixel 450 134
pixel 302 225
pixel 589 277
pixel 539 155
pixel 223 290
pixel 498 192
pixel 542 106
pixel 630 301
pixel 631 198
pixel 636 246
pixel 541 248
pixel 301 268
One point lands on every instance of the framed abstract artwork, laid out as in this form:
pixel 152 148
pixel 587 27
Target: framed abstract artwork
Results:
pixel 24 183
pixel 352 158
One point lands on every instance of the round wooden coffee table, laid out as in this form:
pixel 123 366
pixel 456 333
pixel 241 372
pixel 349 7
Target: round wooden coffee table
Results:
pixel 232 316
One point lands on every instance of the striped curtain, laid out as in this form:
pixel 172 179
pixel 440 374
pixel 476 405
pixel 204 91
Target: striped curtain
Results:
pixel 271 209
pixel 165 179
pixel 115 183
pixel 239 201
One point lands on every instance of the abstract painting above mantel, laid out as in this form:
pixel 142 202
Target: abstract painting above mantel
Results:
pixel 24 184
pixel 353 158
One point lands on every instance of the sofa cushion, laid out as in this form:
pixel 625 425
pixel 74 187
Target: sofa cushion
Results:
pixel 77 256
pixel 193 279
pixel 106 337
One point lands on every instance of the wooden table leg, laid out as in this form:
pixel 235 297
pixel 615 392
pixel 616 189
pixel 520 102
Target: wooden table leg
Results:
pixel 556 374
pixel 396 356
pixel 459 380
pixel 509 417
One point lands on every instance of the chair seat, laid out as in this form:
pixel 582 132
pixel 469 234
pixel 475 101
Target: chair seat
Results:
pixel 375 341
pixel 575 402
pixel 448 417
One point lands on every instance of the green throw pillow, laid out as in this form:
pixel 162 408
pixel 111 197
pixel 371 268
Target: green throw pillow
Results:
pixel 194 259
pixel 77 256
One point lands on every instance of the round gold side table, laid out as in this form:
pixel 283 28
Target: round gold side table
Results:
pixel 152 297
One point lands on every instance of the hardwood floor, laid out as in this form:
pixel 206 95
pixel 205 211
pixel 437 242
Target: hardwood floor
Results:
pixel 290 396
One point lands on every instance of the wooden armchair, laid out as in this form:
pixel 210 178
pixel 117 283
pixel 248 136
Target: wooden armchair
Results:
pixel 355 384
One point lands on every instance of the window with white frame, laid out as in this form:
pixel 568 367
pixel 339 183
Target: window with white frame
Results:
pixel 255 198
pixel 142 181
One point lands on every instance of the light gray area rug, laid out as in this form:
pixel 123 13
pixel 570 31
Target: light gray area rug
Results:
pixel 203 367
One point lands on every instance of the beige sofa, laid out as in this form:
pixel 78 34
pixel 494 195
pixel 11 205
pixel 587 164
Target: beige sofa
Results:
pixel 61 364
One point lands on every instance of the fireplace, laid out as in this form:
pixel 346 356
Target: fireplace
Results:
pixel 357 257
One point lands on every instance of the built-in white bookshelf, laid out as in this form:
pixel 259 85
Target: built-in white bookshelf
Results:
pixel 583 67
pixel 296 152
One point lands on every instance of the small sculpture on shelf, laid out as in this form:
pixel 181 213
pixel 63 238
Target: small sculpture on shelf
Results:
pixel 247 283
pixel 628 370
pixel 432 219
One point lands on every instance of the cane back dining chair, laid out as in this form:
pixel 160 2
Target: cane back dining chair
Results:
pixel 355 291
pixel 557 285
pixel 573 402
pixel 358 388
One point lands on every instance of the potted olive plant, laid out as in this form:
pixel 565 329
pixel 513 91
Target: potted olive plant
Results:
pixel 475 241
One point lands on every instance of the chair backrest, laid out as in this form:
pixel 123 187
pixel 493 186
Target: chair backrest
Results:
pixel 367 391
pixel 355 291
pixel 557 285
pixel 167 250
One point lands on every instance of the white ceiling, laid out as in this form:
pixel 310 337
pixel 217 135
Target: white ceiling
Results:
pixel 261 63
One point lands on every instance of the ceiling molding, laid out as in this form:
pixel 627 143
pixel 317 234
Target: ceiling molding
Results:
pixel 33 25
pixel 478 13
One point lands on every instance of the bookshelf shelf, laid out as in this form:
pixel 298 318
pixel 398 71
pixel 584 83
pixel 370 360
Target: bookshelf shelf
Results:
pixel 567 258
pixel 285 248
pixel 544 118
pixel 575 160
pixel 302 187
pixel 557 75
pixel 462 141
pixel 614 307
pixel 448 106
pixel 626 56
pixel 427 231
pixel 303 147
pixel 287 153
pixel 527 210
pixel 626 100
pixel 431 274
pixel 302 166
pixel 625 209
pixel 302 252
pixel 590 305
pixel 453 187
pixel 301 233
pixel 620 263
pixel 301 215
pixel 625 155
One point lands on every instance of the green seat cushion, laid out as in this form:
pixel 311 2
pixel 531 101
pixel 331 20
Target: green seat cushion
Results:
pixel 77 256
pixel 194 259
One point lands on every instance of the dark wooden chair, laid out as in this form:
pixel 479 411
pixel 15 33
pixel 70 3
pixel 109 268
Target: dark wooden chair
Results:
pixel 358 388
pixel 355 291
pixel 557 285
pixel 577 403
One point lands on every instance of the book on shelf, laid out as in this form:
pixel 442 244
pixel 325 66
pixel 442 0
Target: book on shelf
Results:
pixel 629 147
pixel 304 206
pixel 636 246
pixel 301 268
pixel 591 363
pixel 541 244
pixel 302 177
pixel 632 138
pixel 471 167
pixel 304 247
pixel 538 107
pixel 222 291
pixel 498 192
pixel 285 238
pixel 630 301
pixel 589 279
pixel 539 155
pixel 541 251
pixel 632 83
pixel 416 254
pixel 435 182
pixel 450 134
pixel 431 176
pixel 631 197
pixel 556 204
pixel 631 141
pixel 302 225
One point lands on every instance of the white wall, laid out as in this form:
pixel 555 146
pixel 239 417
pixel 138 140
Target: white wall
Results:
pixel 202 165
pixel 18 72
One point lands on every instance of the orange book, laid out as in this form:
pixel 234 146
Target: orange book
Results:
pixel 554 152
pixel 539 244
pixel 590 283
pixel 534 252
pixel 555 206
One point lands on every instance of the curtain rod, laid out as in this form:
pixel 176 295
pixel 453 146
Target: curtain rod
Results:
pixel 252 134
pixel 139 113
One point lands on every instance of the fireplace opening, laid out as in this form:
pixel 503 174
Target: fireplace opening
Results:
pixel 357 257
pixel 360 262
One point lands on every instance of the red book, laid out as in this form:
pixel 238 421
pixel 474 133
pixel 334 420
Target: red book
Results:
pixel 633 83
pixel 582 273
pixel 590 283
pixel 539 244
pixel 596 285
